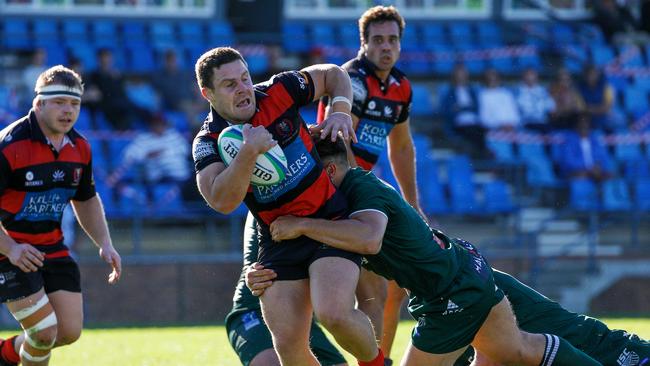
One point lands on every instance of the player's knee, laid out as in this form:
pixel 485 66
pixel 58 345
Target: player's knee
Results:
pixel 67 336
pixel 43 339
pixel 332 320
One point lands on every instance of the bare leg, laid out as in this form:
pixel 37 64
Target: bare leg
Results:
pixel 371 296
pixel 392 310
pixel 416 357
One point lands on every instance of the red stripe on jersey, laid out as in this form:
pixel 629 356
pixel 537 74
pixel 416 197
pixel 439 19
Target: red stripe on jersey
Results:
pixel 57 254
pixel 49 238
pixel 307 203
pixel 81 154
pixel 320 115
pixel 36 153
pixel 363 164
pixel 306 139
pixel 12 200
pixel 273 106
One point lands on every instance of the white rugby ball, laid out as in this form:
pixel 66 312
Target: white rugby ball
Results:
pixel 270 167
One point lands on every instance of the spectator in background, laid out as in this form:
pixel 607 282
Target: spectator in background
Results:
pixel 460 108
pixel 176 88
pixel 534 103
pixel 30 75
pixel 161 156
pixel 568 101
pixel 106 93
pixel 584 153
pixel 497 105
pixel 598 96
pixel 614 18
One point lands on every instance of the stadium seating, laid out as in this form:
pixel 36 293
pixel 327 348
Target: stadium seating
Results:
pixel 294 38
pixel 16 34
pixel 163 35
pixel 75 32
pixel 422 105
pixel 104 33
pixel 583 195
pixel 615 195
pixel 637 169
pixel 497 197
pixel 642 195
pixel 220 34
pixel 503 151
pixel 45 32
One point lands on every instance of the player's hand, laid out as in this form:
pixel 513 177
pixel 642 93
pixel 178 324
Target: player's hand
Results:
pixel 112 257
pixel 257 138
pixel 258 278
pixel 334 123
pixel 26 257
pixel 285 228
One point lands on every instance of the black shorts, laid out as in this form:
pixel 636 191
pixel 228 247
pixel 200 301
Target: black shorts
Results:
pixel 290 259
pixel 56 274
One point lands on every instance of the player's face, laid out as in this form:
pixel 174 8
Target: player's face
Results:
pixel 232 94
pixel 57 116
pixel 383 46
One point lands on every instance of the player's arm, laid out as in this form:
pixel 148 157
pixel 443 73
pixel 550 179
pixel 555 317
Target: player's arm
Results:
pixel 90 214
pixel 362 233
pixel 224 188
pixel 332 80
pixel 401 154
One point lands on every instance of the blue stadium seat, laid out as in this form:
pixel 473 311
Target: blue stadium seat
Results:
pixel 258 63
pixel 220 34
pixel 562 33
pixel 556 146
pixel 461 185
pixel 75 32
pixel 104 33
pixel 191 34
pixel 531 151
pixel 498 198
pixel 433 36
pixel 422 105
pixel 162 35
pixel 642 83
pixel 504 65
pixel 575 56
pixel 503 151
pixel 15 34
pixel 642 195
pixel 87 56
pixel 601 54
pixel 167 200
pixel 536 34
pixel 460 34
pixel 349 33
pixel 529 61
pixel 106 194
pixel 433 199
pixel 178 120
pixel 583 195
pixel 631 56
pixel 489 34
pixel 634 170
pixel 627 151
pixel 134 34
pixel 444 60
pixel 141 59
pixel 591 34
pixel 411 40
pixel 415 63
pixel 540 173
pixel 474 66
pixel 635 100
pixel 616 195
pixel 45 32
pixel 323 34
pixel 294 38
pixel 56 55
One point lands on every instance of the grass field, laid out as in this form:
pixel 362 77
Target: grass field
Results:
pixel 176 346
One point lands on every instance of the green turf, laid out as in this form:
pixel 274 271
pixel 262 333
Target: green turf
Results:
pixel 177 346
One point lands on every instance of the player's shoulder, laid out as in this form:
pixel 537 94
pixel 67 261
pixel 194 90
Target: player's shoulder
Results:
pixel 16 131
pixel 401 77
pixel 285 77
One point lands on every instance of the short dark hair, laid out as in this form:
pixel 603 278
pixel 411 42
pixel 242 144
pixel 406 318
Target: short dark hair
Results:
pixel 212 59
pixel 329 150
pixel 59 75
pixel 379 14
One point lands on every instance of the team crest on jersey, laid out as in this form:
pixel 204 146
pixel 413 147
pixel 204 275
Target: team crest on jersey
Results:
pixel 29 176
pixel 388 111
pixel 76 176
pixel 359 92
pixel 627 358
pixel 284 128
pixel 372 104
pixel 58 176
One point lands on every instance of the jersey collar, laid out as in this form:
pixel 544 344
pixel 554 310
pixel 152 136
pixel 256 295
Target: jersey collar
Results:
pixel 393 76
pixel 37 134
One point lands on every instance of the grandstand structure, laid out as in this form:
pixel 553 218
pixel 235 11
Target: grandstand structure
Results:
pixel 558 233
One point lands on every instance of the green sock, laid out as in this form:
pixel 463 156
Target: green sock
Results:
pixel 559 352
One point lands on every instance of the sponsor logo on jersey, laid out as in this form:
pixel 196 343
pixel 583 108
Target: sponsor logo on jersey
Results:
pixel 284 129
pixel 300 164
pixel 372 135
pixel 250 320
pixel 30 182
pixel 302 79
pixel 58 176
pixel 42 206
pixel 203 149
pixel 359 92
pixel 6 277
pixel 76 176
pixel 627 358
pixel 452 308
pixel 388 111
pixel 29 175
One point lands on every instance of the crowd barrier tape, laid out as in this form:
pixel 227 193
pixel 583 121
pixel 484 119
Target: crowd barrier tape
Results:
pixel 522 138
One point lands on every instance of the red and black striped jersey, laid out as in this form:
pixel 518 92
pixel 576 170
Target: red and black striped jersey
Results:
pixel 378 105
pixel 306 190
pixel 37 183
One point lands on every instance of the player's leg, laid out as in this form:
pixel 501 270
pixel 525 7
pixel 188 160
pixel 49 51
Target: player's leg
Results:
pixel 39 322
pixel 371 296
pixel 68 307
pixel 392 312
pixel 251 339
pixel 333 281
pixel 500 340
pixel 415 357
pixel 324 350
pixel 287 311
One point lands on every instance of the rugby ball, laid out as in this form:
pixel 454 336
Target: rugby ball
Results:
pixel 270 167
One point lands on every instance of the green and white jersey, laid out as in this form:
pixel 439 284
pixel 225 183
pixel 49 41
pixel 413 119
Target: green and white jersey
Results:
pixel 409 254
pixel 243 300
